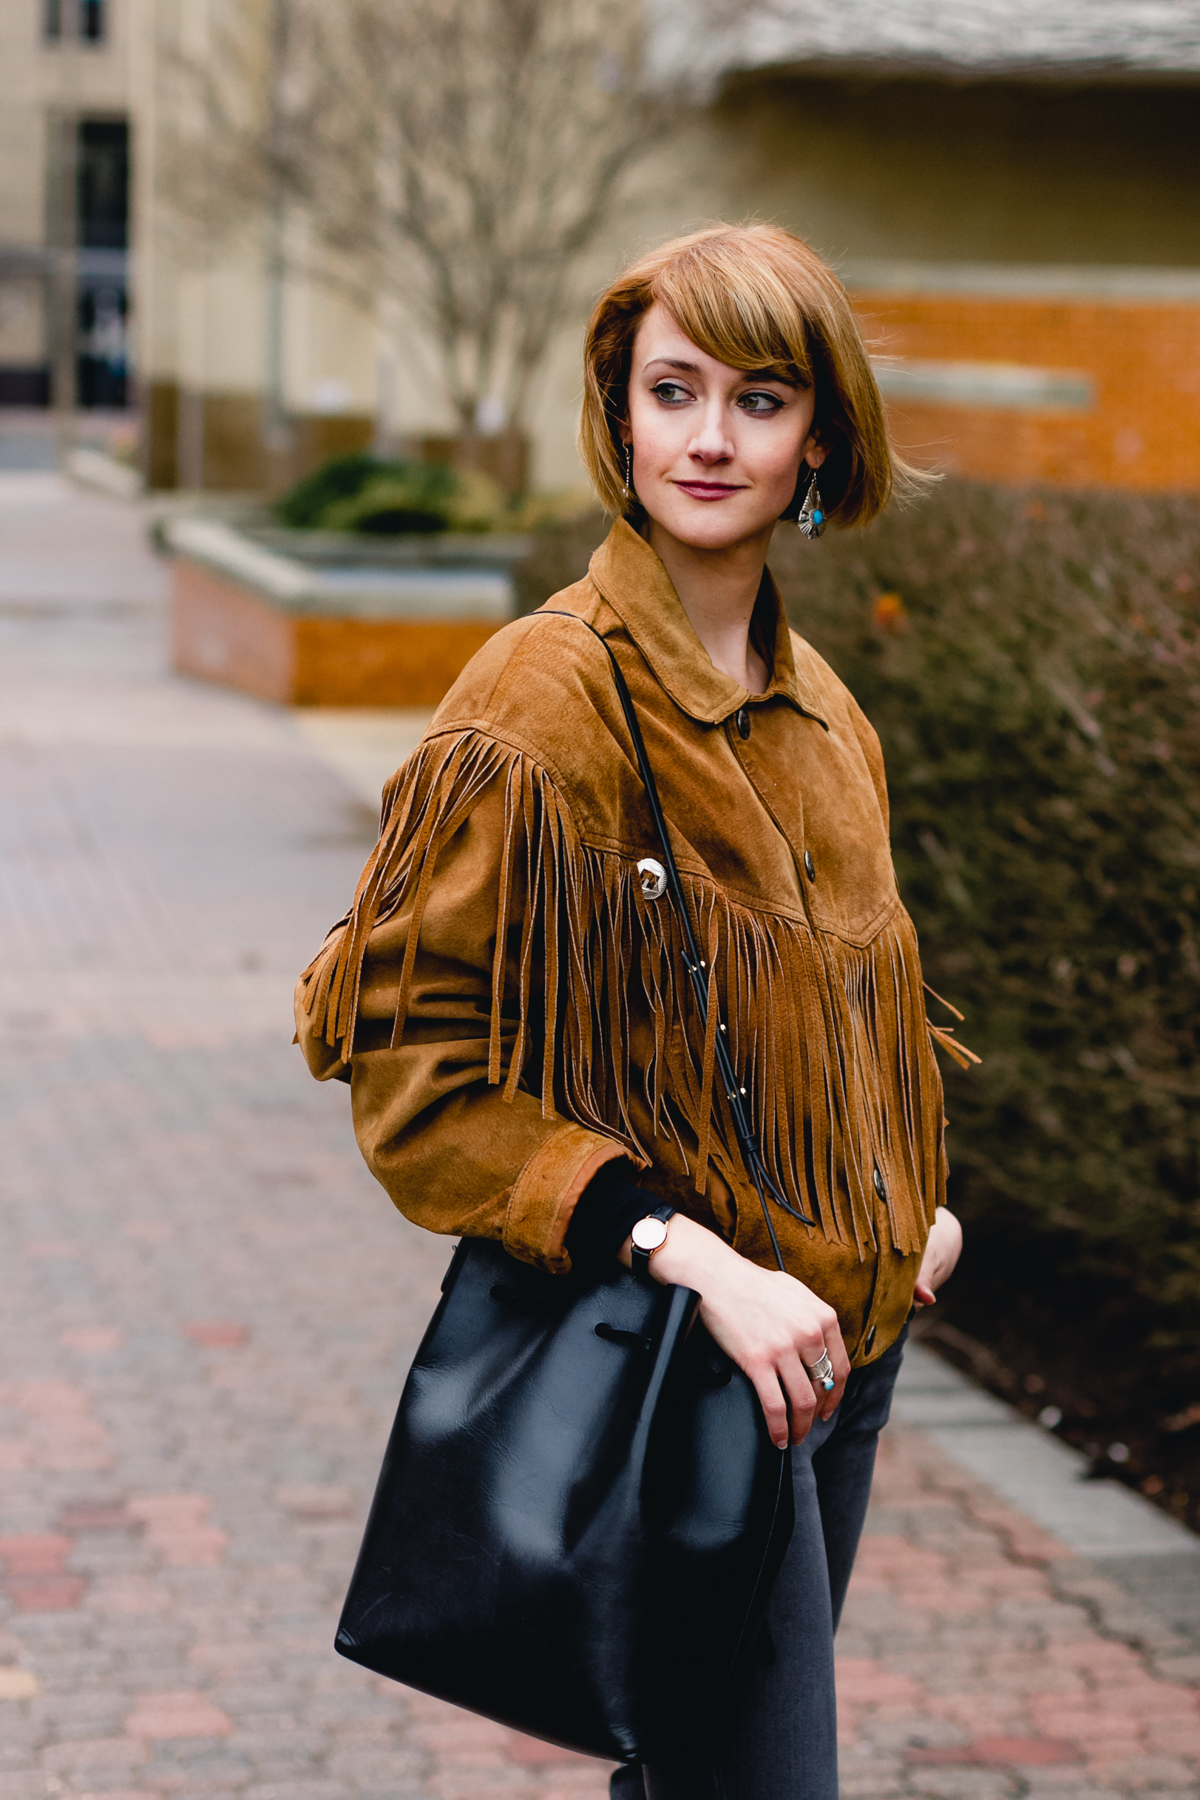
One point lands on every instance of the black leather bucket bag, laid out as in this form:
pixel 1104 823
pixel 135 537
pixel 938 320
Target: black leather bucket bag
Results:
pixel 580 1514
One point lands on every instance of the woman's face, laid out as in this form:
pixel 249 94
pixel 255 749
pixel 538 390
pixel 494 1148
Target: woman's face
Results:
pixel 716 451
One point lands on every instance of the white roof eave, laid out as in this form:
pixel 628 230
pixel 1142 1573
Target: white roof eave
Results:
pixel 1026 40
pixel 883 67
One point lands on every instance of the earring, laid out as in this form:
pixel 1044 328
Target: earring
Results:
pixel 811 517
pixel 629 493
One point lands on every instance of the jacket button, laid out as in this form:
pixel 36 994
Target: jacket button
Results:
pixel 880 1189
pixel 809 868
pixel 743 721
pixel 869 1341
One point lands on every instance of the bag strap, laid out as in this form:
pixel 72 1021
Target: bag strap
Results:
pixel 695 967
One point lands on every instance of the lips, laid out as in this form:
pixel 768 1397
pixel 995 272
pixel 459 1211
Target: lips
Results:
pixel 707 490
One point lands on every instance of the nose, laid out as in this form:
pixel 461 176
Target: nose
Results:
pixel 711 442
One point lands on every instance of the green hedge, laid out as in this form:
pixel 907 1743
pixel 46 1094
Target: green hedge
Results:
pixel 1031 662
pixel 363 493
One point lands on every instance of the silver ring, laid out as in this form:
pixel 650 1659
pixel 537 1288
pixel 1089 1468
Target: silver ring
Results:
pixel 823 1372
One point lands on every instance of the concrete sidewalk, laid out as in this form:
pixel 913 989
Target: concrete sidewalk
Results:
pixel 208 1307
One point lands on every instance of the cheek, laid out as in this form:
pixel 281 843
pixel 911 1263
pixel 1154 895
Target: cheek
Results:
pixel 775 454
pixel 657 433
pixel 774 461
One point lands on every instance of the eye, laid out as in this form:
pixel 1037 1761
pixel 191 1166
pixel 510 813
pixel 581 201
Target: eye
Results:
pixel 671 393
pixel 763 404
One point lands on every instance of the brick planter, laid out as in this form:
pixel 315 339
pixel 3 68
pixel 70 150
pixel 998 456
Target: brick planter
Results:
pixel 380 626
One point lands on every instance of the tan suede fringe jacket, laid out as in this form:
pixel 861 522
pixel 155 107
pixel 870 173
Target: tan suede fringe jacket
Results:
pixel 511 1011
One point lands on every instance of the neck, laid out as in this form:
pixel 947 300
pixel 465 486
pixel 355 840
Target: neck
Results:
pixel 717 590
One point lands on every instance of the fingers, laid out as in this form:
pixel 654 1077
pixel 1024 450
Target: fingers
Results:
pixel 830 1402
pixel 801 1397
pixel 838 1354
pixel 777 1330
pixel 941 1255
pixel 786 1396
pixel 774 1405
pixel 825 1338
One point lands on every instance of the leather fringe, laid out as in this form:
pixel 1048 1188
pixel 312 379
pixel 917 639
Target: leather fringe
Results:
pixel 831 1041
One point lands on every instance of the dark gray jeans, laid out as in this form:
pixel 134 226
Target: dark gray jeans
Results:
pixel 781 1740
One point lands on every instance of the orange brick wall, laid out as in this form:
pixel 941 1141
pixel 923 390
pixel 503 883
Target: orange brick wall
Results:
pixel 1144 357
pixel 224 632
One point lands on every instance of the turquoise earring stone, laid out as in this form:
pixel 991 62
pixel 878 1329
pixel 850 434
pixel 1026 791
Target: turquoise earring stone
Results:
pixel 811 517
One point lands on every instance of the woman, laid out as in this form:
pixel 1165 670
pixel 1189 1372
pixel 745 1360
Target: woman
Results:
pixel 504 997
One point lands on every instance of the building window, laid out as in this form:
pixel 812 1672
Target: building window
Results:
pixel 86 20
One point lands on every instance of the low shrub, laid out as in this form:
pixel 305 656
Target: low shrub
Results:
pixel 1032 664
pixel 364 493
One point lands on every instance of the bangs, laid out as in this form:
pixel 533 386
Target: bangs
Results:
pixel 739 312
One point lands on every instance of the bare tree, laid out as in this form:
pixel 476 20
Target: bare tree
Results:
pixel 457 157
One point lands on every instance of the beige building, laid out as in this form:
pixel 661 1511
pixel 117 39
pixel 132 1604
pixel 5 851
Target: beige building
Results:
pixel 67 69
pixel 108 304
pixel 1011 189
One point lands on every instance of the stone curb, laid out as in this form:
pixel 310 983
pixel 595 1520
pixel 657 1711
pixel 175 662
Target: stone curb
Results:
pixel 1136 1569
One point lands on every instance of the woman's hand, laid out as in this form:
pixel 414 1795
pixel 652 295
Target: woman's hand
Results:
pixel 769 1323
pixel 942 1250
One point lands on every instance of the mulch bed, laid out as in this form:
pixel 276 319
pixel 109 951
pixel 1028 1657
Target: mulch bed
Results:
pixel 1084 1365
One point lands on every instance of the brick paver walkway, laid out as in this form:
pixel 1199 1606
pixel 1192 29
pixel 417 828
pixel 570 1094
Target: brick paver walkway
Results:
pixel 207 1306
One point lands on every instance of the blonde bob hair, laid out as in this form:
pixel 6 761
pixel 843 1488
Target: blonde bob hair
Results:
pixel 756 298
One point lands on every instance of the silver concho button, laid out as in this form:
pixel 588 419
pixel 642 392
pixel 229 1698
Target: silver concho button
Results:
pixel 654 878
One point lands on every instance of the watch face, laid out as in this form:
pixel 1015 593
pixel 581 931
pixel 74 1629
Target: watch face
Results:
pixel 650 1234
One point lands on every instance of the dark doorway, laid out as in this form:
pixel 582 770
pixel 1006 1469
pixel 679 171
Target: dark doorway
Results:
pixel 102 195
pixel 103 361
pixel 102 236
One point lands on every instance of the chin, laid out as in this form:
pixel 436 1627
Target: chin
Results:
pixel 707 526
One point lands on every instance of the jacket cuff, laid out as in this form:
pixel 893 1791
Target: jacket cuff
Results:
pixel 608 1209
pixel 545 1193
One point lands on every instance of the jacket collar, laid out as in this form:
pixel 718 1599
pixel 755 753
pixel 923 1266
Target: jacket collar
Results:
pixel 636 585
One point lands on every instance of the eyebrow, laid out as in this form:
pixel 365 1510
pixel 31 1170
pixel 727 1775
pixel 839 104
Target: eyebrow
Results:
pixel 673 362
pixel 691 368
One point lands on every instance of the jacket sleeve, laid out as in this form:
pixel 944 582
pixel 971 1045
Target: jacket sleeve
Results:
pixel 446 984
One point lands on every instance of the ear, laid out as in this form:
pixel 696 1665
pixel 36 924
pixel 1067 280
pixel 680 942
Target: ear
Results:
pixel 814 451
pixel 625 432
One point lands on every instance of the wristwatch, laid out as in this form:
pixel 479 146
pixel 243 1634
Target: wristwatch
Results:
pixel 649 1235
